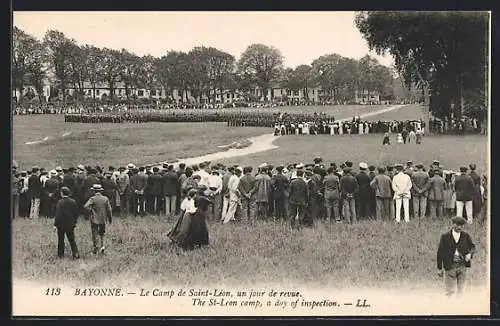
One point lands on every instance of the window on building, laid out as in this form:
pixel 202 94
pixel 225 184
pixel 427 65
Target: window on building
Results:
pixel 96 92
pixel 228 95
pixel 89 92
pixel 140 92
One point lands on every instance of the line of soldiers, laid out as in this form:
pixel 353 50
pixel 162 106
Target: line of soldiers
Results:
pixel 296 192
pixel 282 123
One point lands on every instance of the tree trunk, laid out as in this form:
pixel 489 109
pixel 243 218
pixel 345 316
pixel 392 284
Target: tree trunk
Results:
pixel 21 86
pixel 93 95
pixel 462 99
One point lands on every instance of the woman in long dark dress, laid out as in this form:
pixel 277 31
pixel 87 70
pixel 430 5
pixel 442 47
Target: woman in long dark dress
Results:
pixel 181 228
pixel 192 231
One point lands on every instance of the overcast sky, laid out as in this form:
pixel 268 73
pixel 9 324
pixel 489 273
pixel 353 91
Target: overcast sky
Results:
pixel 300 36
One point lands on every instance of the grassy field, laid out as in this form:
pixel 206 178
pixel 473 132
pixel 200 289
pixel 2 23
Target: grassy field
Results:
pixel 451 151
pixel 367 254
pixel 118 144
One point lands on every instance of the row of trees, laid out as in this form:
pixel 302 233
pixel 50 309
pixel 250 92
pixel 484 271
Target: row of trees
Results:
pixel 201 71
pixel 445 53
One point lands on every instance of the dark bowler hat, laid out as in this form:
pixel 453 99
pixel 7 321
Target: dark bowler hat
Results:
pixel 280 168
pixel 458 220
pixel 419 166
pixel 463 169
pixel 472 166
pixel 65 191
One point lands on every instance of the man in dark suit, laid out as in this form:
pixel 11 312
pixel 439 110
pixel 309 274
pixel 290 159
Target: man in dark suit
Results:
pixel 348 188
pixel 298 197
pixel 279 184
pixel 34 192
pixel 419 191
pixel 364 193
pixel 454 255
pixel 138 184
pixel 477 202
pixel 170 181
pixel 65 221
pixel 436 194
pixel 155 191
pixel 68 180
pixel 464 190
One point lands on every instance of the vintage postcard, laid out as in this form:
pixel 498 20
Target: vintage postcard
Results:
pixel 250 163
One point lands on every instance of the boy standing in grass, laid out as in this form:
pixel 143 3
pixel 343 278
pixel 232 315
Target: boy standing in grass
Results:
pixel 454 256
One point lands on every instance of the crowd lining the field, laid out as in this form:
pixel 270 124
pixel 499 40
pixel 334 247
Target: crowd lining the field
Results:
pixel 326 191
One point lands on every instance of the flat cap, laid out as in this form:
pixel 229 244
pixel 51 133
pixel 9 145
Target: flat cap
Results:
pixel 458 220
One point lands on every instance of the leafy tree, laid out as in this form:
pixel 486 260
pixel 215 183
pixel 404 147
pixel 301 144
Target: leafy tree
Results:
pixel 94 67
pixel 28 59
pixel 60 51
pixel 130 74
pixel 263 63
pixel 77 73
pixel 444 53
pixel 147 73
pixel 112 68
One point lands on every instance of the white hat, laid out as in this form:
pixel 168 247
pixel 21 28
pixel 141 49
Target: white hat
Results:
pixel 97 187
pixel 81 167
pixel 239 168
pixel 53 172
pixel 300 166
pixel 130 166
pixel 363 165
pixel 263 165
pixel 58 168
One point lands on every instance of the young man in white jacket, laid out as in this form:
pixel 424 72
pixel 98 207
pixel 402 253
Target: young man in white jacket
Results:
pixel 401 184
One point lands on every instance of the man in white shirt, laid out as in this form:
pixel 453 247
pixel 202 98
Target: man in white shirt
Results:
pixel 215 188
pixel 204 174
pixel 401 185
pixel 234 194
